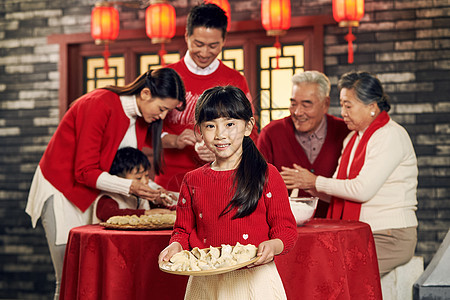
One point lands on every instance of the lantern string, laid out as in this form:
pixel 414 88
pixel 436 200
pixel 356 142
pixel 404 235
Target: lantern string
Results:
pixel 106 55
pixel 350 38
pixel 277 46
pixel 161 54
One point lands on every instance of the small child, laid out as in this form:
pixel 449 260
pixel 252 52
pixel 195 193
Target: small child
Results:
pixel 129 163
pixel 236 198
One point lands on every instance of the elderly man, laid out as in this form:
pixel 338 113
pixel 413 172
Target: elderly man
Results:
pixel 309 137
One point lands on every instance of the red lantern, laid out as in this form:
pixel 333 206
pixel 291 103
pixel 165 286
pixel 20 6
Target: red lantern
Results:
pixel 348 13
pixel 160 24
pixel 104 27
pixel 276 20
pixel 225 5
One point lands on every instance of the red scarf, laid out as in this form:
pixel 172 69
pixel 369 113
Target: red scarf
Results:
pixel 342 209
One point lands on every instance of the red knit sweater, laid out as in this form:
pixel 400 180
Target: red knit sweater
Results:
pixel 85 143
pixel 179 162
pixel 204 195
pixel 279 146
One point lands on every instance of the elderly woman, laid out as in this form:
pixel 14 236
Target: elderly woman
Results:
pixel 376 179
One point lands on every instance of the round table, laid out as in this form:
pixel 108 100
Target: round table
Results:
pixel 331 260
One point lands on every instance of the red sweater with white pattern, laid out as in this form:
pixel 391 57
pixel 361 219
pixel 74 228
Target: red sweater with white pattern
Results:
pixel 204 195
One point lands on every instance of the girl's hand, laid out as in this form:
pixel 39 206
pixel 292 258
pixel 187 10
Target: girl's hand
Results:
pixel 143 191
pixel 267 250
pixel 169 251
pixel 298 177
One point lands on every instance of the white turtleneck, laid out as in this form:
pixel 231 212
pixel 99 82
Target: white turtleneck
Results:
pixel 112 183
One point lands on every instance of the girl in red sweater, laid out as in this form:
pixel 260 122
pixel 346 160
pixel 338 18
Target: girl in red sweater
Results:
pixel 236 198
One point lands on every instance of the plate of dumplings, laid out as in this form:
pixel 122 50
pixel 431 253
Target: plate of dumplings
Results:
pixel 143 222
pixel 210 261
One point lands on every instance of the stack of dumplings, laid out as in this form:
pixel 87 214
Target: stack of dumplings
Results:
pixel 156 219
pixel 211 258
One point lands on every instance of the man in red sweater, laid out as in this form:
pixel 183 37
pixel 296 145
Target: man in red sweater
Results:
pixel 309 137
pixel 200 70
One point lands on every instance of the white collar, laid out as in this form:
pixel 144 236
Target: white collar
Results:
pixel 192 66
pixel 129 105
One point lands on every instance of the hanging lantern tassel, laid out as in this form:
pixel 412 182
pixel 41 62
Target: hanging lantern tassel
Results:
pixel 161 54
pixel 277 46
pixel 106 55
pixel 350 38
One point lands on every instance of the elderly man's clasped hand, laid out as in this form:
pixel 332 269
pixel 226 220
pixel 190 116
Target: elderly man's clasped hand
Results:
pixel 298 177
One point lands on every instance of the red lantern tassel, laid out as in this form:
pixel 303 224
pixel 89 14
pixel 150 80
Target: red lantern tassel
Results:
pixel 350 38
pixel 106 54
pixel 277 45
pixel 161 54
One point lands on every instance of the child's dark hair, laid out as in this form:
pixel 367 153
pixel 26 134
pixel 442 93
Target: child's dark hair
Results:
pixel 250 176
pixel 207 15
pixel 127 159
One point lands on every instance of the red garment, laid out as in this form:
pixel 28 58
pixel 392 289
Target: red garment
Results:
pixel 85 143
pixel 341 208
pixel 107 208
pixel 179 162
pixel 204 195
pixel 279 146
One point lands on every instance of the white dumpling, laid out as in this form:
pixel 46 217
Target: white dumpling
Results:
pixel 215 252
pixel 193 263
pixel 180 261
pixel 200 254
pixel 243 253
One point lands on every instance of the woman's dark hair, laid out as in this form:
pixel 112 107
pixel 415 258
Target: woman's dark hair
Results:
pixel 127 159
pixel 250 176
pixel 207 15
pixel 367 87
pixel 163 83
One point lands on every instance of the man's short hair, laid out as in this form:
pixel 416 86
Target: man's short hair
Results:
pixel 314 77
pixel 207 15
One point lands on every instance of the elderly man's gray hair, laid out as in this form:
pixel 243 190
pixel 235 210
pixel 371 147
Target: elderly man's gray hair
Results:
pixel 314 77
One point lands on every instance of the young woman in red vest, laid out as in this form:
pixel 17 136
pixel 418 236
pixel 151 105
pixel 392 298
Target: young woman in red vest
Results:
pixel 376 180
pixel 74 167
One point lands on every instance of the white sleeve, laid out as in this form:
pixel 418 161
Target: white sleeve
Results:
pixel 112 183
pixel 383 155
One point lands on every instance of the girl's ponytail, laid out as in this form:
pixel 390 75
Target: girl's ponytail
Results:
pixel 249 180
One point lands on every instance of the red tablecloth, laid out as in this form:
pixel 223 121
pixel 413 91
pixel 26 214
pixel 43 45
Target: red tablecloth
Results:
pixel 331 260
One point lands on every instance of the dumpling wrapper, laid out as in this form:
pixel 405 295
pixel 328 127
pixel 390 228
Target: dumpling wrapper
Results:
pixel 243 253
pixel 200 254
pixel 180 261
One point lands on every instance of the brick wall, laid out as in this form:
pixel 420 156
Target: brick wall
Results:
pixel 407 43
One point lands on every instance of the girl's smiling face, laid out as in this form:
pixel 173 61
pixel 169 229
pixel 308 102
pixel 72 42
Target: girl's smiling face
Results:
pixel 224 136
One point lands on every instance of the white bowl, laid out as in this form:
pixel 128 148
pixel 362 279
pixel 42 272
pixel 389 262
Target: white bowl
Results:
pixel 303 208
